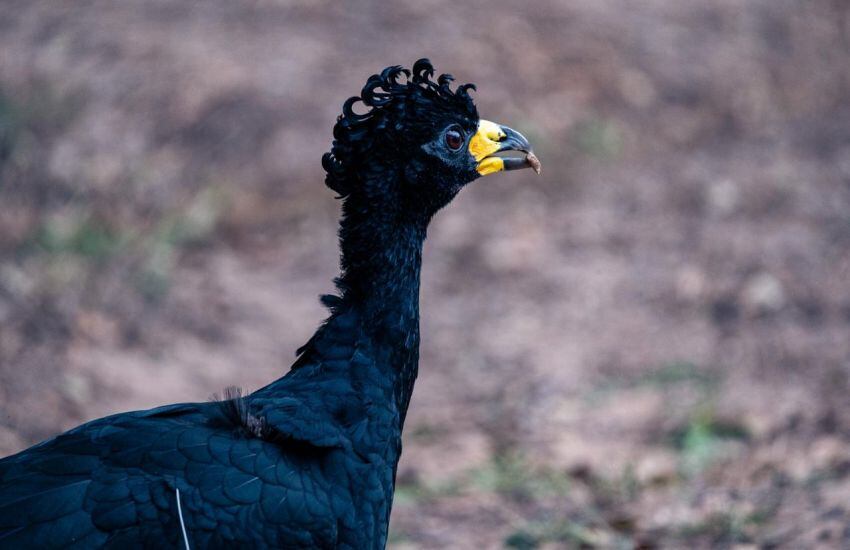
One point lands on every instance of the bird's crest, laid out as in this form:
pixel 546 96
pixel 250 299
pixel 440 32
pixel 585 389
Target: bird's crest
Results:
pixel 392 96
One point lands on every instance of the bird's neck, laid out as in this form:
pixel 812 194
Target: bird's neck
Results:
pixel 381 262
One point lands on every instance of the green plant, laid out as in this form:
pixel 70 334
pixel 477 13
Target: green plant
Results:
pixel 511 475
pixel 704 438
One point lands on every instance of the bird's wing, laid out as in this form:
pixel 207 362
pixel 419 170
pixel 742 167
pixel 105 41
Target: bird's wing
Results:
pixel 115 480
pixel 69 491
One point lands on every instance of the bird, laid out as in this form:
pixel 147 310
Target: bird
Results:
pixel 310 460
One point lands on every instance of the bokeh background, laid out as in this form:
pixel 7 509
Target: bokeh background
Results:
pixel 647 345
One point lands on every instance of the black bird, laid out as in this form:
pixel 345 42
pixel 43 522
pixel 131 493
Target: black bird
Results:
pixel 308 461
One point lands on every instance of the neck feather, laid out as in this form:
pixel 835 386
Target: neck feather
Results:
pixel 381 263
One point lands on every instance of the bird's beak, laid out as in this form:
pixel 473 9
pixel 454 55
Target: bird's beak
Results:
pixel 492 139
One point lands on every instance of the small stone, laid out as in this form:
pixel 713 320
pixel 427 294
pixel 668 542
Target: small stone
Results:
pixel 690 283
pixel 657 467
pixel 637 88
pixel 764 293
pixel 723 197
pixel 828 452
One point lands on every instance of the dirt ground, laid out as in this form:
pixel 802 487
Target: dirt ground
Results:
pixel 647 346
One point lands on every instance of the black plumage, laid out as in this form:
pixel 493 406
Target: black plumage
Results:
pixel 308 461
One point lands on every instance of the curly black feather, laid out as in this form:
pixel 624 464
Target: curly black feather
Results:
pixel 394 106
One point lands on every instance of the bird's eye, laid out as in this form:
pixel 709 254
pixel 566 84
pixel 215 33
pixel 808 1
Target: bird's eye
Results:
pixel 454 139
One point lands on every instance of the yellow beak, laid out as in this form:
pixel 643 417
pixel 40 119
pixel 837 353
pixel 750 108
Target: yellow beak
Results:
pixel 490 139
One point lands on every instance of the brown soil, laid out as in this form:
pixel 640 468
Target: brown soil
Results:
pixel 649 344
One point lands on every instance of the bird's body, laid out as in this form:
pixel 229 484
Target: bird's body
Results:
pixel 308 461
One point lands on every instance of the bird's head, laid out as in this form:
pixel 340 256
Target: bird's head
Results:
pixel 418 143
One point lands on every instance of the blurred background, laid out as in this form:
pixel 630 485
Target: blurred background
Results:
pixel 647 345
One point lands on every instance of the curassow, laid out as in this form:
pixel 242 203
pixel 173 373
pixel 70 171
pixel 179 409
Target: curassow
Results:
pixel 308 461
